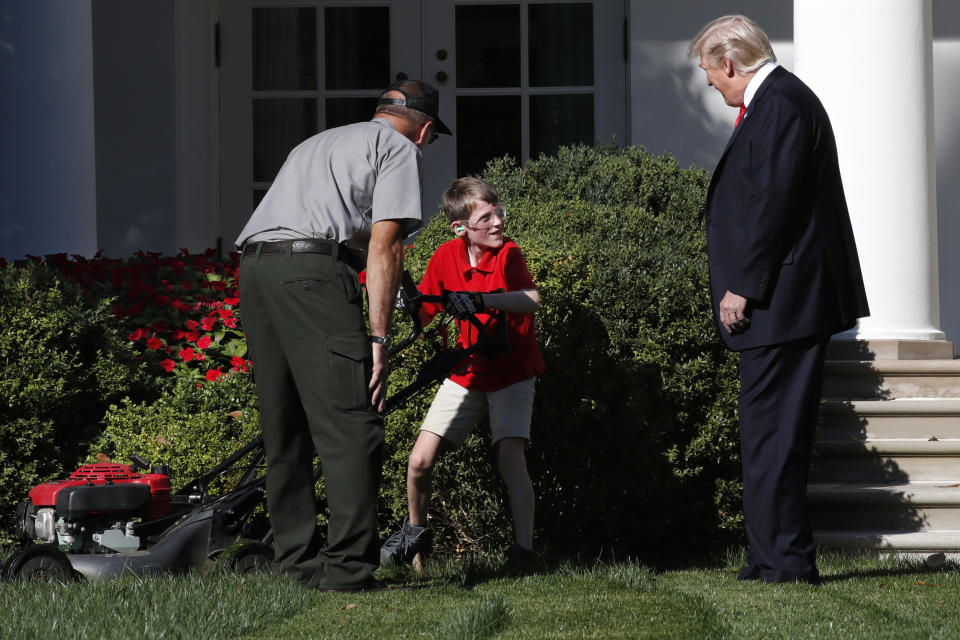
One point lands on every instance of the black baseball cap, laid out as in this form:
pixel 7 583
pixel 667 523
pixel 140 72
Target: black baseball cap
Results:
pixel 418 96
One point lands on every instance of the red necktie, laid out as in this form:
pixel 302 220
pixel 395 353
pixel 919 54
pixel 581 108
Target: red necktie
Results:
pixel 743 110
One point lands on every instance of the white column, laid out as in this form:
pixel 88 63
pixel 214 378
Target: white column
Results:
pixel 48 196
pixel 870 62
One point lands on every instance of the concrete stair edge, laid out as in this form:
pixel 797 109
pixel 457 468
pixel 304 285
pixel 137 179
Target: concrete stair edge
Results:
pixel 934 540
pixel 892 407
pixel 891 447
pixel 878 494
pixel 895 367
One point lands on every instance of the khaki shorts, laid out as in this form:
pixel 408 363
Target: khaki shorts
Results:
pixel 456 411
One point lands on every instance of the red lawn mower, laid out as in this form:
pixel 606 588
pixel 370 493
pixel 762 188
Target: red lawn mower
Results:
pixel 109 519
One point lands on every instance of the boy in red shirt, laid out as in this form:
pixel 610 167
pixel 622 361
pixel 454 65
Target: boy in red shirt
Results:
pixel 485 270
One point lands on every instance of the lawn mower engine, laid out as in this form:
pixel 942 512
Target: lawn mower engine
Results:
pixel 96 509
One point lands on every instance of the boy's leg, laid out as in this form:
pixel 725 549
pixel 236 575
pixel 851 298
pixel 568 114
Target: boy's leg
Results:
pixel 511 410
pixel 419 475
pixel 513 469
pixel 452 415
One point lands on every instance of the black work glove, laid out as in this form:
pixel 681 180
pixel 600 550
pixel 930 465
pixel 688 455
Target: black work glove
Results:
pixel 462 304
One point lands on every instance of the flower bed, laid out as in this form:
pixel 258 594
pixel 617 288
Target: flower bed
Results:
pixel 181 311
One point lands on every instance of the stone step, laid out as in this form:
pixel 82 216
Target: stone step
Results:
pixel 933 541
pixel 890 350
pixel 886 461
pixel 904 418
pixel 891 447
pixel 889 379
pixel 907 507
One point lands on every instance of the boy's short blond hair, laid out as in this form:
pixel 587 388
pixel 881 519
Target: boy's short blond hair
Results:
pixel 464 194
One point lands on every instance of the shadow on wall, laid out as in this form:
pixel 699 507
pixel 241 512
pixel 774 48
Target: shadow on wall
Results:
pixel 674 109
pixel 856 492
pixel 946 82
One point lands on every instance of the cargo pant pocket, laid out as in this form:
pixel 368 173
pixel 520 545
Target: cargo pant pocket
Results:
pixel 350 367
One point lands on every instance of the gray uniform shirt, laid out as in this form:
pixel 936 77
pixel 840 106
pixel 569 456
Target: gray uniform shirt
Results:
pixel 336 184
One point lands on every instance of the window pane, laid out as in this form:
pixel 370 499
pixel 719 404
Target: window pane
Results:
pixel 488 45
pixel 489 127
pixel 257 197
pixel 561 45
pixel 342 111
pixel 284 49
pixel 279 124
pixel 357 47
pixel 560 120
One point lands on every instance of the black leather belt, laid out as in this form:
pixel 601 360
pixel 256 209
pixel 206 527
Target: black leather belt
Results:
pixel 308 245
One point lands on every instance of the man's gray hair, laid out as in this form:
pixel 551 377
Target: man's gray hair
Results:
pixel 414 117
pixel 737 38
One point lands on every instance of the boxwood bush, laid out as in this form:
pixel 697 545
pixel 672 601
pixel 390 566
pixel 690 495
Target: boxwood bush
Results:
pixel 63 360
pixel 634 442
pixel 634 446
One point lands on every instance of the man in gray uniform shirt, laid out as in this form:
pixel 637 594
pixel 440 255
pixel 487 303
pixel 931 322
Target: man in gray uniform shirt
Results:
pixel 344 197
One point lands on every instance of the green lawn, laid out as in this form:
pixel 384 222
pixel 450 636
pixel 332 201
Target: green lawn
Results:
pixel 861 598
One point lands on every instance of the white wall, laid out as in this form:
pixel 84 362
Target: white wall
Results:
pixel 47 178
pixel 672 108
pixel 946 101
pixel 134 74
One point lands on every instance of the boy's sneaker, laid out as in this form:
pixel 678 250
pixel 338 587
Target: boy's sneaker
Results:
pixel 402 546
pixel 520 560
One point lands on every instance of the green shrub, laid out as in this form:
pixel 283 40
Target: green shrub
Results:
pixel 192 428
pixel 63 360
pixel 634 441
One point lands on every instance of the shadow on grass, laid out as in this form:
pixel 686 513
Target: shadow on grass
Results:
pixel 471 570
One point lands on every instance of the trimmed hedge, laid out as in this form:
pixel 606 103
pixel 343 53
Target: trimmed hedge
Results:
pixel 63 360
pixel 634 436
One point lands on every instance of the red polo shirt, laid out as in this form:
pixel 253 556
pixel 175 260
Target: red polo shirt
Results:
pixel 503 269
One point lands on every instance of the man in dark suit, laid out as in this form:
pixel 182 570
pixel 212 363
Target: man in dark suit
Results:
pixel 784 277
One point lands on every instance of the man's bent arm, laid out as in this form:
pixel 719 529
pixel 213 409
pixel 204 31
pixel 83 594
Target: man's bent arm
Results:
pixel 384 262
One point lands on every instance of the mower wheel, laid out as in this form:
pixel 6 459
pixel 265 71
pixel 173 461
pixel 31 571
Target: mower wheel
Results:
pixel 251 557
pixel 39 563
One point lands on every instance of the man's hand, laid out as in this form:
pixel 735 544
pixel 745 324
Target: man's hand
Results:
pixel 379 375
pixel 384 263
pixel 463 304
pixel 733 309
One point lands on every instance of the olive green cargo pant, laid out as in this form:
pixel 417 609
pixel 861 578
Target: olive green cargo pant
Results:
pixel 303 318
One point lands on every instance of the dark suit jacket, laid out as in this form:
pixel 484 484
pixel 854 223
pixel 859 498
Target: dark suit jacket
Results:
pixel 778 230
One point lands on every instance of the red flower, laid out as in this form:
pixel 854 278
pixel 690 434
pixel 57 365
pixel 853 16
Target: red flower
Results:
pixel 139 333
pixel 239 364
pixel 186 354
pixel 154 343
pixel 162 301
pixel 207 323
pixel 168 365
pixel 362 276
pixel 225 313
pixel 230 323
pixel 204 342
pixel 193 325
pixel 191 336
pixel 231 301
pixel 213 374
